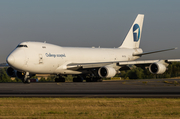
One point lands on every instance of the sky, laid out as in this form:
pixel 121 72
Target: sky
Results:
pixel 87 23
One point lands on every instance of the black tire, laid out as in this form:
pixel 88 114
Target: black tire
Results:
pixel 27 81
pixel 62 79
pixel 99 80
pixel 56 79
pixel 77 80
pixel 74 80
pixel 88 79
pixel 59 79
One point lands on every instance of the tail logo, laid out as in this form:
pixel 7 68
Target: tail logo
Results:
pixel 136 32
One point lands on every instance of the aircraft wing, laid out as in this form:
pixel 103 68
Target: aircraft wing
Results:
pixel 87 65
pixel 145 53
pixel 147 61
pixel 140 63
pixel 137 62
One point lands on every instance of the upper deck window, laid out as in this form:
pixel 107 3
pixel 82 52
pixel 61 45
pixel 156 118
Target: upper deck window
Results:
pixel 22 46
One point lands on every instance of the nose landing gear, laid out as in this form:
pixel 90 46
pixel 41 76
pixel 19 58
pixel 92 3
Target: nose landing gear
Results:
pixel 26 78
pixel 26 81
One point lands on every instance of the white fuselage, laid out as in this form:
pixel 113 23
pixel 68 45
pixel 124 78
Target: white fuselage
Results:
pixel 40 57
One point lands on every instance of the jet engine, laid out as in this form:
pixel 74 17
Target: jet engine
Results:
pixel 107 72
pixel 20 75
pixel 11 72
pixel 157 68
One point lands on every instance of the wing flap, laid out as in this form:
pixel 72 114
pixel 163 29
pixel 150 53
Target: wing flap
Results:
pixel 138 62
pixel 173 60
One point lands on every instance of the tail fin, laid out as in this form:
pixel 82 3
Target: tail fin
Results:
pixel 133 37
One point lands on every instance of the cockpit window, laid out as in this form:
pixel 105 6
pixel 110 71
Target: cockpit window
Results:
pixel 22 46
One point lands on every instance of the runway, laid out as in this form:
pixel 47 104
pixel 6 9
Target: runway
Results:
pixel 156 88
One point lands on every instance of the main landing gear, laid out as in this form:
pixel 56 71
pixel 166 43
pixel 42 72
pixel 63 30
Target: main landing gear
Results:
pixel 59 79
pixel 94 79
pixel 80 78
pixel 88 79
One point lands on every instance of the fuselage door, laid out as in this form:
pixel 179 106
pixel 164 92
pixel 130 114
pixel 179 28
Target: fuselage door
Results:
pixel 40 59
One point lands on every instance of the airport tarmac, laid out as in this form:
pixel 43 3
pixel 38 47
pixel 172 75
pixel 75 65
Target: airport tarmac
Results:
pixel 143 88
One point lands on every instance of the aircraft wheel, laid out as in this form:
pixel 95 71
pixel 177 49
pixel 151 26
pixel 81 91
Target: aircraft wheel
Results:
pixel 99 80
pixel 59 79
pixel 27 81
pixel 74 80
pixel 62 79
pixel 88 79
pixel 56 79
pixel 77 80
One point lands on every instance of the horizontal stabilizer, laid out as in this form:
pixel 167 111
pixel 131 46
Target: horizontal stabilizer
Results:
pixel 145 53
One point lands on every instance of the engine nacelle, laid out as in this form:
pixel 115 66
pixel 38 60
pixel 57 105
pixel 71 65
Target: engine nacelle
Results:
pixel 107 72
pixel 157 68
pixel 11 72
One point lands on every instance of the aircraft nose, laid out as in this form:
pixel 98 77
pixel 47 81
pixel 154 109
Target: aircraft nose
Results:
pixel 10 60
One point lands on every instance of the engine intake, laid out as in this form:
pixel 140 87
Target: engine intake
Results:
pixel 107 72
pixel 11 72
pixel 157 68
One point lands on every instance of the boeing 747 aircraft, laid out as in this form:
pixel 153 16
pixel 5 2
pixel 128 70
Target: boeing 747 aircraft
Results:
pixel 92 64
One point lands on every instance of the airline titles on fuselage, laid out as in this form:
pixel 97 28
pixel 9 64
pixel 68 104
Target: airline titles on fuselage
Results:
pixel 55 55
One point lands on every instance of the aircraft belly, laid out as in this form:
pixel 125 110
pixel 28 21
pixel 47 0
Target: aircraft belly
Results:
pixel 66 72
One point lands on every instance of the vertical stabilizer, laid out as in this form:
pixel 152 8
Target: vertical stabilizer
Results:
pixel 133 37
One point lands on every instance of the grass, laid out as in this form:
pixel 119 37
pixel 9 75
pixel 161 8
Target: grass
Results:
pixel 96 108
